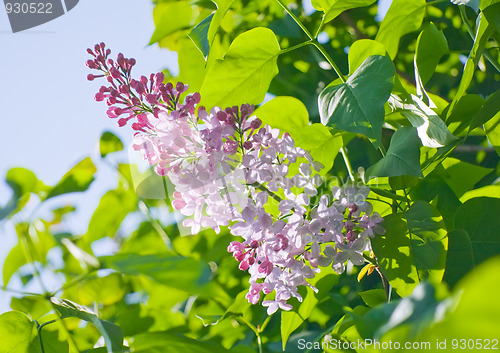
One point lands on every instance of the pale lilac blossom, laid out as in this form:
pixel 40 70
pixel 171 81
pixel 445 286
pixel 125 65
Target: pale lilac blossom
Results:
pixel 227 168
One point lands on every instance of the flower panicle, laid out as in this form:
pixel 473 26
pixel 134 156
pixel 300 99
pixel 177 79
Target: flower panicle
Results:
pixel 129 98
pixel 227 168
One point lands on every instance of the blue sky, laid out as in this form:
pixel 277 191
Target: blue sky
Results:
pixel 49 119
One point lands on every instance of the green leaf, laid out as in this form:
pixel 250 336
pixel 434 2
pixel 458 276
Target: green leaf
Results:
pixel 333 8
pixel 135 318
pixel 402 158
pixel 434 189
pixel 476 314
pixel 407 317
pixel 361 50
pixel 13 262
pixel 175 271
pixel 485 191
pixel 492 129
pixel 482 34
pixel 199 35
pixel 485 3
pixel 34 305
pixel 173 342
pixel 291 320
pixel 239 307
pixel 290 115
pixel 192 64
pixel 413 248
pixel 492 14
pixel 403 17
pixel 87 261
pixel 170 17
pixel 223 7
pixel 245 73
pixel 105 290
pixel 358 105
pixel 475 237
pixel 373 297
pixel 77 179
pixel 430 128
pixel 461 176
pixel 489 111
pixel 19 334
pixel 319 142
pixel 285 113
pixel 114 206
pixel 112 334
pixel 109 143
pixel 431 47
pixel 22 181
pixel 463 114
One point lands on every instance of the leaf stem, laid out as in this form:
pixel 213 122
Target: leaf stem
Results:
pixel 385 283
pixel 255 330
pixel 11 290
pixel 313 41
pixel 382 150
pixel 264 324
pixel 39 329
pixel 286 50
pixel 320 27
pixel 71 341
pixel 296 19
pixel 330 60
pixel 347 162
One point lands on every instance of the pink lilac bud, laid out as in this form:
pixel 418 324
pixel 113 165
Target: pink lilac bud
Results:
pixel 124 89
pixel 115 73
pixel 159 77
pixel 255 124
pixel 151 99
pixel 351 236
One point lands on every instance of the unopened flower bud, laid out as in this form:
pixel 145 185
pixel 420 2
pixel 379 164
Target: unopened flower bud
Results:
pixel 255 124
pixel 115 73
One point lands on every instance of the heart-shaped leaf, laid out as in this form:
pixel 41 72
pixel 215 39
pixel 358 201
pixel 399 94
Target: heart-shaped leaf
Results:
pixel 402 158
pixel 358 105
pixel 245 73
pixel 475 237
pixel 404 16
pixel 413 248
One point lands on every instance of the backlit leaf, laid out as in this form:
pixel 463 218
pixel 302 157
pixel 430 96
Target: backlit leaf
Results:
pixel 245 73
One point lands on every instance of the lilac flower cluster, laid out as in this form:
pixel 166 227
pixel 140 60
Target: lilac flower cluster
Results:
pixel 229 170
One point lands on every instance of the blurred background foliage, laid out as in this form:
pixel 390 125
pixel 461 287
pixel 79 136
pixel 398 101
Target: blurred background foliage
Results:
pixel 164 292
